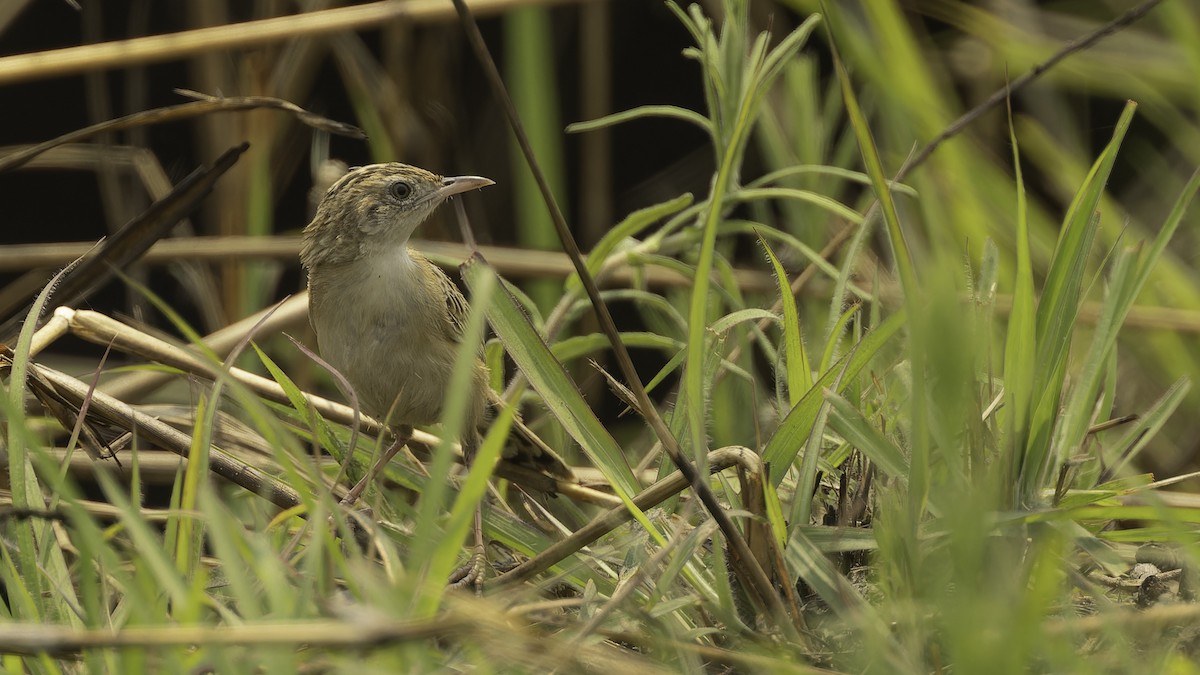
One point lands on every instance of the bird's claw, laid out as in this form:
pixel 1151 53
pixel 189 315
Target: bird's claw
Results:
pixel 471 574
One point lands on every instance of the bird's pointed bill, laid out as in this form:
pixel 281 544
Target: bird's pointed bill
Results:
pixel 453 185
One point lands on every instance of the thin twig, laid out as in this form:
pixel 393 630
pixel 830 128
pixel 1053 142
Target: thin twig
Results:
pixel 1000 95
pixel 173 113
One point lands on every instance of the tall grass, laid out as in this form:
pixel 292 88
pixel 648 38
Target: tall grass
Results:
pixel 917 453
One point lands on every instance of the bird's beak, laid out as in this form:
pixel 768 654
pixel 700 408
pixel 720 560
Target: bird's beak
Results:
pixel 456 184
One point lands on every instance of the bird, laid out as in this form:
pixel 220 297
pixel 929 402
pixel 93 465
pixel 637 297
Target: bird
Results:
pixel 389 320
pixel 385 317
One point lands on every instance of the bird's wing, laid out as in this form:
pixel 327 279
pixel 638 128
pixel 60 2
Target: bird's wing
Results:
pixel 456 305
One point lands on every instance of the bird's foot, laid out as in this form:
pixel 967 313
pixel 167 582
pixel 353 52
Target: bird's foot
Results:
pixel 471 574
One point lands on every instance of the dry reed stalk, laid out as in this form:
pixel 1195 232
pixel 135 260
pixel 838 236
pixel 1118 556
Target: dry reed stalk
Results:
pixel 172 46
pixel 511 262
pixel 100 329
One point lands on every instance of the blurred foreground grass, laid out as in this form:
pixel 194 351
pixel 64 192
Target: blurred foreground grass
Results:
pixel 930 424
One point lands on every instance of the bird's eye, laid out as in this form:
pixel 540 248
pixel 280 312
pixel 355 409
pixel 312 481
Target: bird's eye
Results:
pixel 400 190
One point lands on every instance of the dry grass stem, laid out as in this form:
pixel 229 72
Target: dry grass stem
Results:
pixel 108 256
pixel 100 329
pixel 102 510
pixel 511 262
pixel 289 314
pixel 141 162
pixel 183 111
pixel 467 620
pixel 126 417
pixel 175 46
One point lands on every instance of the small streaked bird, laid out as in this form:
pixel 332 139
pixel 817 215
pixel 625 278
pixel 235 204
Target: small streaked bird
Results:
pixel 386 318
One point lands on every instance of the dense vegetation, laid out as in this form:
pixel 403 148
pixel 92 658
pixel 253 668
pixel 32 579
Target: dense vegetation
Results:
pixel 918 389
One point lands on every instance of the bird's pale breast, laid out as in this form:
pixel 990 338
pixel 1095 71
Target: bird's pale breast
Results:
pixel 384 342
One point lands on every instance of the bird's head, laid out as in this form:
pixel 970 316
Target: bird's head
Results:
pixel 376 207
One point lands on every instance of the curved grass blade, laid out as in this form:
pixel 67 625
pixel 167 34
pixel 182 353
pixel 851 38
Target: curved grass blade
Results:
pixel 631 225
pixel 851 425
pixel 799 370
pixel 781 451
pixel 1057 311
pixel 835 336
pixel 1020 344
pixel 640 112
pixel 549 378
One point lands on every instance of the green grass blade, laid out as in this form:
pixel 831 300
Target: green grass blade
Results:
pixel 549 378
pixel 640 112
pixel 810 254
pixel 458 397
pixel 727 322
pixel 1061 289
pixel 824 202
pixel 1139 435
pixel 623 231
pixel 1057 311
pixel 1131 270
pixel 311 419
pixel 1020 345
pixel 835 336
pixel 823 170
pixel 799 370
pixel 851 425
pixel 23 481
pixel 1167 231
pixel 149 544
pixel 579 346
pixel 471 493
pixel 787 441
pixel 880 184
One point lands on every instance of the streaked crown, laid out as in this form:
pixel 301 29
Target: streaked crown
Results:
pixel 375 208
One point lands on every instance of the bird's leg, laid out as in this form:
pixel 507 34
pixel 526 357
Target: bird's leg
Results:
pixel 403 435
pixel 472 573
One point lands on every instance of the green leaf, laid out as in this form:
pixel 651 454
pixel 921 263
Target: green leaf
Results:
pixel 655 308
pixel 812 256
pixel 635 222
pixel 725 323
pixel 460 396
pixel 581 345
pixel 789 438
pixel 799 370
pixel 807 561
pixel 825 202
pixel 667 111
pixel 850 424
pixel 835 336
pixel 775 514
pixel 880 183
pixel 550 380
pixel 821 169
pixel 1057 311
pixel 1139 435
pixel 470 495
pixel 311 419
pixel 1021 340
